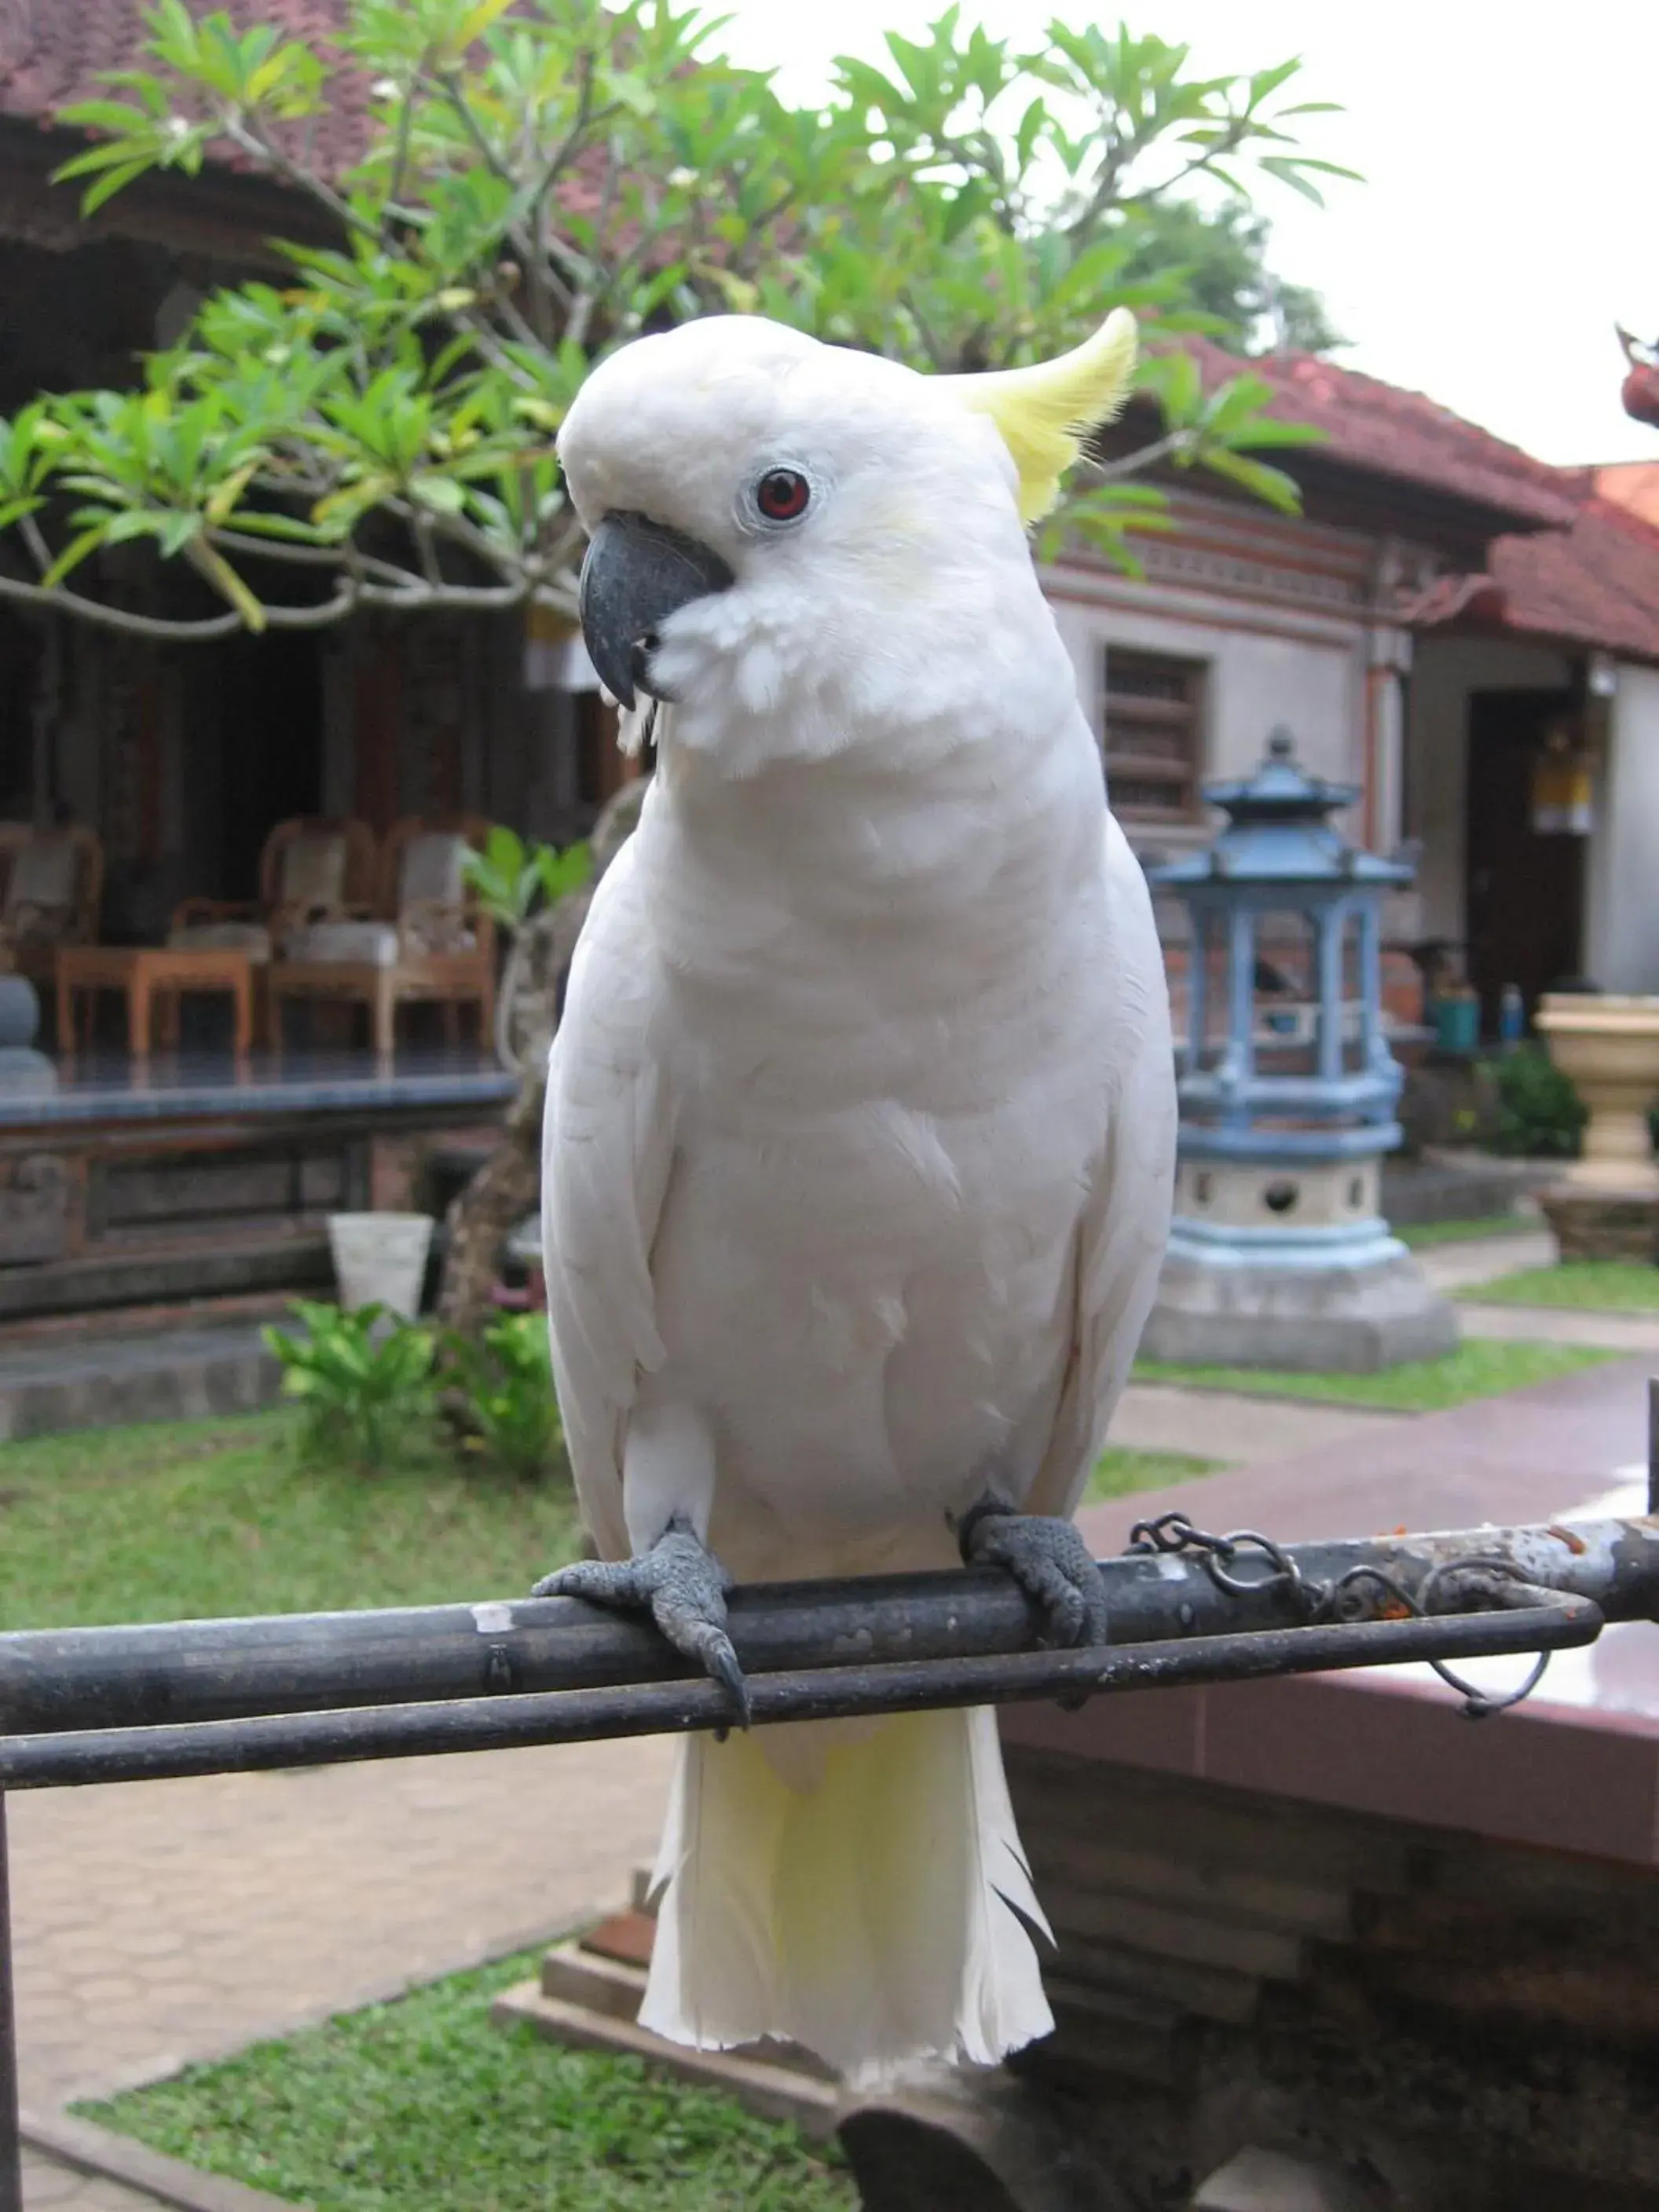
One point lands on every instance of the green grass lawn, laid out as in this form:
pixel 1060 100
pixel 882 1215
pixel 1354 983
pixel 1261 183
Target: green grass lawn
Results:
pixel 1479 1368
pixel 422 2106
pixel 1422 1236
pixel 189 1520
pixel 1581 1286
pixel 1121 1471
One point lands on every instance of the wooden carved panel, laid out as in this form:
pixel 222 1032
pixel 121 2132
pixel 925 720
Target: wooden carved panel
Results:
pixel 35 1194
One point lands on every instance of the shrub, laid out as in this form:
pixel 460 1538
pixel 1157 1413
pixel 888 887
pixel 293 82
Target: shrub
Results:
pixel 511 1414
pixel 1539 1114
pixel 363 1379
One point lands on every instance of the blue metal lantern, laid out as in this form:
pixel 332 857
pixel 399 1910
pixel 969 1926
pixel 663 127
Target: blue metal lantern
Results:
pixel 1279 1254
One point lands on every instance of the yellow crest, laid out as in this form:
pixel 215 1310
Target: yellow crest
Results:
pixel 1045 412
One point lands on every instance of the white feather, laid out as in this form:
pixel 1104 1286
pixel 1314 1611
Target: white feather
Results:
pixel 859 1149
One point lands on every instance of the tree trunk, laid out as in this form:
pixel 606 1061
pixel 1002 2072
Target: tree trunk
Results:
pixel 480 1218
pixel 506 1187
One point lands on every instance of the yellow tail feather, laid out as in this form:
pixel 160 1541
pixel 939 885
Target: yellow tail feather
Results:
pixel 868 1901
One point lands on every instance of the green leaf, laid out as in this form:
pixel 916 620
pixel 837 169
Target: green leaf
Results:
pixel 440 493
pixel 72 556
pixel 473 25
pixel 1268 483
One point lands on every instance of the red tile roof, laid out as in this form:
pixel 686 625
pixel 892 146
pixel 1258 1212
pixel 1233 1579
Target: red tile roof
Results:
pixel 1592 579
pixel 1633 485
pixel 52 53
pixel 1385 431
pixel 1597 583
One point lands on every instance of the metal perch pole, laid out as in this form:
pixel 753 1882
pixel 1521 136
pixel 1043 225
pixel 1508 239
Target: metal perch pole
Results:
pixel 117 1704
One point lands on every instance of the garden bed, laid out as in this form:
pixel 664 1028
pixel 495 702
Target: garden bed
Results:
pixel 422 2103
pixel 1479 1368
pixel 1575 1286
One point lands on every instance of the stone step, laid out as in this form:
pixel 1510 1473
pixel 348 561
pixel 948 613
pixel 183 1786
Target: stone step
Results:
pixel 576 1976
pixel 1286 1904
pixel 628 1937
pixel 1189 1986
pixel 776 2091
pixel 1121 2034
pixel 1258 2180
pixel 1190 1938
pixel 102 1381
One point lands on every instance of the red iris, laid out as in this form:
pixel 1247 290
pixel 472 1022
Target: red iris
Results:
pixel 782 494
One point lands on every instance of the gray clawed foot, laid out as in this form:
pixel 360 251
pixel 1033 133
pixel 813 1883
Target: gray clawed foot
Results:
pixel 1050 1561
pixel 682 1585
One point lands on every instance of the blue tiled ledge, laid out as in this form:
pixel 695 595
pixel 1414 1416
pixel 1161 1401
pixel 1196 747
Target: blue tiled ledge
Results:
pixel 182 1089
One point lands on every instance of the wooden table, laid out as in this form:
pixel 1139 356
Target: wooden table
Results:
pixel 151 977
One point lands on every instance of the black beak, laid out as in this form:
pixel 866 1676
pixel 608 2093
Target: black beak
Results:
pixel 636 574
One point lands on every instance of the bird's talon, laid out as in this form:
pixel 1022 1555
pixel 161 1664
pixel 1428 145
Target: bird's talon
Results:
pixel 1050 1561
pixel 682 1586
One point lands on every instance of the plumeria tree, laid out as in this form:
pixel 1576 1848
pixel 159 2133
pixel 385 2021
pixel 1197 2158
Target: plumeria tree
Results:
pixel 541 180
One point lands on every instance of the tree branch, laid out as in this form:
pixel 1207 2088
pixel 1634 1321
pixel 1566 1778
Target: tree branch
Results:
pixel 1134 464
pixel 311 556
pixel 262 147
pixel 418 598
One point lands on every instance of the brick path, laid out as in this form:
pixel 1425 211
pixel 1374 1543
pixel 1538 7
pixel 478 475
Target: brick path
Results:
pixel 159 1922
pixel 48 2187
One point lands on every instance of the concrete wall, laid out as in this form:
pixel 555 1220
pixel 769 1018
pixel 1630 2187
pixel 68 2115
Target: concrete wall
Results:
pixel 1622 921
pixel 1444 671
pixel 1254 679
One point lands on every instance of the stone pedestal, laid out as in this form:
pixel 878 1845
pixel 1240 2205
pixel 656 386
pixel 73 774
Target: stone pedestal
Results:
pixel 1338 1319
pixel 1603 1224
pixel 24 1072
pixel 1290 1264
pixel 1608 1050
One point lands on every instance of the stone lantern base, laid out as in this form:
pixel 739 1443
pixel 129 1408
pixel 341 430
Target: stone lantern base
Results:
pixel 1337 1319
pixel 24 1072
pixel 1270 1267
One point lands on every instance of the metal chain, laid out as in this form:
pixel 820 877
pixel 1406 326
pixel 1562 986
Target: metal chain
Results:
pixel 1175 1532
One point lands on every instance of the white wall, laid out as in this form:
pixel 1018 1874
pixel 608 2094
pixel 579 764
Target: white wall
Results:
pixel 1622 925
pixel 1256 681
pixel 1444 671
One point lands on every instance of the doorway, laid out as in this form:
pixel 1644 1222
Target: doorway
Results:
pixel 253 725
pixel 1525 910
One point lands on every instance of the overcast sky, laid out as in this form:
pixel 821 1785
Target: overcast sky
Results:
pixel 1510 211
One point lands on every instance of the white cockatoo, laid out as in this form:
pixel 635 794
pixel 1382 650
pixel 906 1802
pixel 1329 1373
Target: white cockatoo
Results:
pixel 860 1130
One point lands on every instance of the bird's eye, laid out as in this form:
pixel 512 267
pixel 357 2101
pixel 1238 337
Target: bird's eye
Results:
pixel 782 495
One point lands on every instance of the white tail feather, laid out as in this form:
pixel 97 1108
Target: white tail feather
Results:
pixel 867 1901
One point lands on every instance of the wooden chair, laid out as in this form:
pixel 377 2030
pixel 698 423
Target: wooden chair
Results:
pixel 51 883
pixel 429 939
pixel 314 867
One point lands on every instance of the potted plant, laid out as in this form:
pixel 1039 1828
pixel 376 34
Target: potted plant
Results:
pixel 379 1260
pixel 512 880
pixel 1607 1047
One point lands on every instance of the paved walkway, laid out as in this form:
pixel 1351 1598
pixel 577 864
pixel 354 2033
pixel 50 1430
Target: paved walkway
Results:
pixel 165 1922
pixel 1453 1267
pixel 1231 1429
pixel 47 2183
pixel 1631 1333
